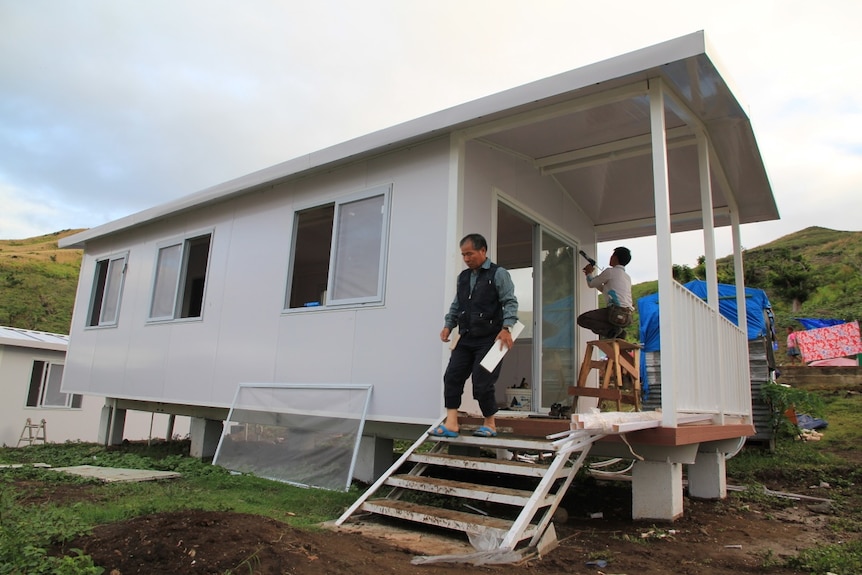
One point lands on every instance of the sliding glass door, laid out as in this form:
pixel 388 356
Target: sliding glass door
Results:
pixel 557 346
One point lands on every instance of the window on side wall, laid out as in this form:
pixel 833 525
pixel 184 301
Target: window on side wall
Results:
pixel 44 389
pixel 181 271
pixel 107 288
pixel 338 252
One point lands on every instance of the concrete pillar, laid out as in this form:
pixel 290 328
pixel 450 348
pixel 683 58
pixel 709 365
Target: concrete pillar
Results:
pixel 656 490
pixel 169 433
pixel 205 434
pixel 707 478
pixel 373 459
pixel 112 421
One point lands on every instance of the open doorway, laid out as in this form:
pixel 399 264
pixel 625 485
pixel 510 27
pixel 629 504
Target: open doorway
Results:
pixel 542 265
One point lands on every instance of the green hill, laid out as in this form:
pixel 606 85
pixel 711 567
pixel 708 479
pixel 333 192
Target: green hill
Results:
pixel 38 282
pixel 815 272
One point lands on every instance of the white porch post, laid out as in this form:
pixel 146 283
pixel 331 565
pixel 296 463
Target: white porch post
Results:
pixel 664 257
pixel 709 255
pixel 738 272
pixel 708 222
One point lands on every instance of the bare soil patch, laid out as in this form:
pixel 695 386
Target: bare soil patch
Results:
pixel 713 537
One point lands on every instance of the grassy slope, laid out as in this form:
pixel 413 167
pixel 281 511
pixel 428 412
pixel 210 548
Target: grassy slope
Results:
pixel 38 282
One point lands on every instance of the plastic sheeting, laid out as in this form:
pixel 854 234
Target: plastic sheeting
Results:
pixel 304 434
pixel 756 303
pixel 758 315
pixel 813 323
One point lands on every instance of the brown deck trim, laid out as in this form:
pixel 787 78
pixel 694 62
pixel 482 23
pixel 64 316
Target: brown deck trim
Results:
pixel 665 436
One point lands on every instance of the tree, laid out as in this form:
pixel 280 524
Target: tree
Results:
pixel 682 273
pixel 792 279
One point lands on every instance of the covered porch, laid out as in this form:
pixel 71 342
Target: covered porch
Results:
pixel 649 144
pixel 645 145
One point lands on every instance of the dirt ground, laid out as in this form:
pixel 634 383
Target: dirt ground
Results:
pixel 714 537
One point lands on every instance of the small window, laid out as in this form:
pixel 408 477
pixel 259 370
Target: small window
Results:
pixel 107 287
pixel 339 252
pixel 181 271
pixel 45 380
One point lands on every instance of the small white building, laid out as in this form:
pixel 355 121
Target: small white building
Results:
pixel 338 266
pixel 31 373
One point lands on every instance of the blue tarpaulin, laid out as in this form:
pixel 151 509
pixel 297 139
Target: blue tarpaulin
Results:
pixel 756 302
pixel 811 323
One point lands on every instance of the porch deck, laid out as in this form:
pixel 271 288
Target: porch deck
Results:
pixel 688 434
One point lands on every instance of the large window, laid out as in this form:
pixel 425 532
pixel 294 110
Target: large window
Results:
pixel 107 287
pixel 339 251
pixel 45 391
pixel 181 271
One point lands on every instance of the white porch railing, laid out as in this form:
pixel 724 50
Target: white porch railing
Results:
pixel 707 359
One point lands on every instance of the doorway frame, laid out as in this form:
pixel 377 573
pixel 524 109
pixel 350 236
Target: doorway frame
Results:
pixel 540 225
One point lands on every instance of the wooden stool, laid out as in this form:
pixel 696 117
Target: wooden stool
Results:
pixel 622 366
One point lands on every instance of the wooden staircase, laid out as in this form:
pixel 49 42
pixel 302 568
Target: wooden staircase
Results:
pixel 500 503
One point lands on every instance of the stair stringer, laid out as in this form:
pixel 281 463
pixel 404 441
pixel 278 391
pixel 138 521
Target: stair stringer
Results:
pixel 541 497
pixel 578 441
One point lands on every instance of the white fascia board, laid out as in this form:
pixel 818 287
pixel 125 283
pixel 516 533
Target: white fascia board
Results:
pixel 32 344
pixel 433 125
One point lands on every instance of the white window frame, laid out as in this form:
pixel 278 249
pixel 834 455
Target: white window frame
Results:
pixel 331 298
pixel 99 296
pixel 47 380
pixel 178 286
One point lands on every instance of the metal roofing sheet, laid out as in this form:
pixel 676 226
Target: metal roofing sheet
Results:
pixel 18 337
pixel 577 112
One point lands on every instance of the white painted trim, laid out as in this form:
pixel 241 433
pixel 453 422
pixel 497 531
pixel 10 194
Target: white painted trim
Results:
pixel 661 191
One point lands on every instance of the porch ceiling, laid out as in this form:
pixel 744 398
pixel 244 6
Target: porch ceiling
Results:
pixel 597 147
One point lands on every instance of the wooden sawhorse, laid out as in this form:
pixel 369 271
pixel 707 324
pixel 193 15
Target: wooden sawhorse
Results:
pixel 619 374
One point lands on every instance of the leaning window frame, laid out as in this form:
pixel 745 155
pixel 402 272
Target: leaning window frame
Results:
pixel 176 305
pixel 102 322
pixel 384 190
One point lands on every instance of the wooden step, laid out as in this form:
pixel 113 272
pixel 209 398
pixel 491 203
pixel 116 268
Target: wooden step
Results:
pixel 503 441
pixel 447 518
pixel 475 491
pixel 480 464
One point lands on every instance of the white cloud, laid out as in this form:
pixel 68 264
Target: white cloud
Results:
pixel 23 218
pixel 108 108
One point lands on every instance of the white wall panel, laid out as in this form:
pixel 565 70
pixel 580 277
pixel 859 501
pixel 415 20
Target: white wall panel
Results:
pixel 244 334
pixel 316 347
pixel 252 284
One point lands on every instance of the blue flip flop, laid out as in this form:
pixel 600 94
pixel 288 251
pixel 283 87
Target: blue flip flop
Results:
pixel 485 431
pixel 442 431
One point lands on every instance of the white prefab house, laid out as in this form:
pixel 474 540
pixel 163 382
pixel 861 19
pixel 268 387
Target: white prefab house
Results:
pixel 337 267
pixel 36 410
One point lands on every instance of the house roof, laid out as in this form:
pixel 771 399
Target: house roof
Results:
pixel 17 337
pixel 588 128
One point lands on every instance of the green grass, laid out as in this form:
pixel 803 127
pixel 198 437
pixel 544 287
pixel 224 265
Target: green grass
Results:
pixel 28 529
pixel 29 525
pixel 802 464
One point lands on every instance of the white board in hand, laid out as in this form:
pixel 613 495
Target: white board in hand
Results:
pixel 498 350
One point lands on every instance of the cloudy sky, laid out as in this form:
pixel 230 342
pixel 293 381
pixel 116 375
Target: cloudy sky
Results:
pixel 108 107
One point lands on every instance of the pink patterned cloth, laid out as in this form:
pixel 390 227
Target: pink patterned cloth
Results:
pixel 840 340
